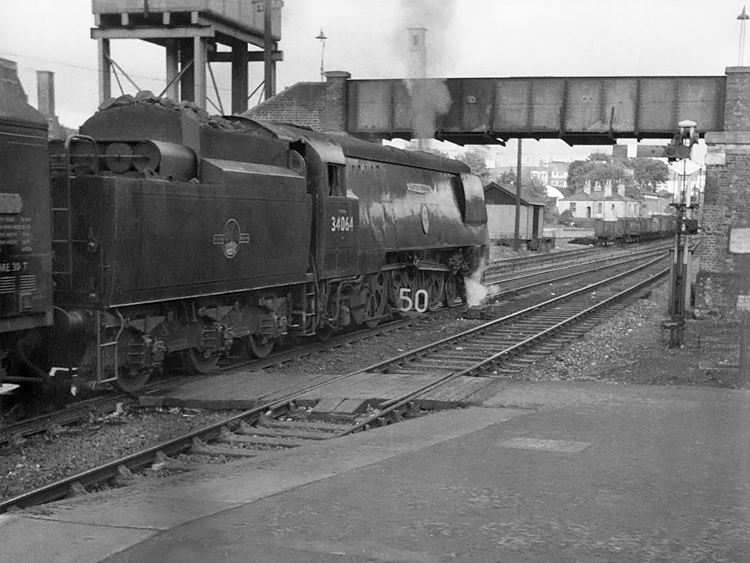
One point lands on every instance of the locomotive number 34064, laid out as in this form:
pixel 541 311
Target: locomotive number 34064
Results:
pixel 342 223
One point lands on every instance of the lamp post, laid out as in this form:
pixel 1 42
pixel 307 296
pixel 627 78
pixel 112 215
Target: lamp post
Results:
pixel 743 17
pixel 322 38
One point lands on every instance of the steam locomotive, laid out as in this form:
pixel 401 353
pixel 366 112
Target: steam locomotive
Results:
pixel 180 237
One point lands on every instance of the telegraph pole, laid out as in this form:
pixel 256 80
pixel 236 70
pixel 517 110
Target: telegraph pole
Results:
pixel 517 233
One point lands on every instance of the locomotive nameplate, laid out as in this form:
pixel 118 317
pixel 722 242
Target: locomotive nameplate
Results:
pixel 419 188
pixel 739 240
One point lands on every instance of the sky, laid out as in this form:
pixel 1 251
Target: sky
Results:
pixel 466 38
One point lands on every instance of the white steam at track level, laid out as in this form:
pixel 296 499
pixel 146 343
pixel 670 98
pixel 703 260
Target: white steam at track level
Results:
pixel 475 289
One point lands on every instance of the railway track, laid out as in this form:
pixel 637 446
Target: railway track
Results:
pixel 500 287
pixel 96 406
pixel 504 285
pixel 77 411
pixel 569 257
pixel 488 350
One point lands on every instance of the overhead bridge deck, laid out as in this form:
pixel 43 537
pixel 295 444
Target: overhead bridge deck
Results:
pixel 582 110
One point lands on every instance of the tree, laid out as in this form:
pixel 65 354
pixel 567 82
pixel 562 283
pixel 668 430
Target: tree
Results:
pixel 577 174
pixel 535 188
pixel 600 157
pixel 598 168
pixel 475 160
pixel 648 172
pixel 565 218
pixel 507 178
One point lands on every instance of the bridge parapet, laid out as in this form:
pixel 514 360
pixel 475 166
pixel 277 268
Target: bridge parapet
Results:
pixel 582 110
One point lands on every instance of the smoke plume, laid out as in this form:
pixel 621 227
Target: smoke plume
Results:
pixel 476 291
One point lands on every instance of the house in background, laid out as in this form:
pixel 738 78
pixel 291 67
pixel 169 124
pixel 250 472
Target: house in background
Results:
pixel 501 215
pixel 549 173
pixel 600 202
pixel 657 203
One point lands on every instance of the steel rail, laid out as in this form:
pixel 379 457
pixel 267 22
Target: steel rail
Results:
pixel 79 410
pixel 541 271
pixel 63 487
pixel 483 328
pixel 401 402
pixel 494 295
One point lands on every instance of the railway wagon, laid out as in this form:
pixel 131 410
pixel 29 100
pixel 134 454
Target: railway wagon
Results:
pixel 183 238
pixel 25 230
pixel 628 229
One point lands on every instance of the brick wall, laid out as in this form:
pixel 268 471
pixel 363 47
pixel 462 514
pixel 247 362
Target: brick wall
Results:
pixel 726 202
pixel 726 205
pixel 318 105
pixel 737 99
pixel 301 104
pixel 333 116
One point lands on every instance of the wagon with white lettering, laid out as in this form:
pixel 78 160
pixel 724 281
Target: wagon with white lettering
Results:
pixel 25 228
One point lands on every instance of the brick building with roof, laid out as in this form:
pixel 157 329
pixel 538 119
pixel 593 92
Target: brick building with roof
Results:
pixel 600 202
pixel 320 106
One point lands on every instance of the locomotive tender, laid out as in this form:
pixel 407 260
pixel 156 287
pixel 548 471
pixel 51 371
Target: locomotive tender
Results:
pixel 25 225
pixel 178 235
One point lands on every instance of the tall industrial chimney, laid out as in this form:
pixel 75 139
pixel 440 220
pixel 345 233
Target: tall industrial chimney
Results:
pixel 45 91
pixel 417 52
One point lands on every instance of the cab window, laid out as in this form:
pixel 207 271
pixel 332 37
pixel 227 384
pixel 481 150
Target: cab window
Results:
pixel 336 183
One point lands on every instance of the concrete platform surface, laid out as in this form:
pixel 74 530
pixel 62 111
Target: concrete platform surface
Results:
pixel 249 389
pixel 556 472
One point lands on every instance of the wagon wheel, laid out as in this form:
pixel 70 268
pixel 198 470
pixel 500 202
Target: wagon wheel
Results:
pixel 451 290
pixel 198 363
pixel 324 332
pixel 259 346
pixel 130 378
pixel 375 300
pixel 132 381
pixel 432 283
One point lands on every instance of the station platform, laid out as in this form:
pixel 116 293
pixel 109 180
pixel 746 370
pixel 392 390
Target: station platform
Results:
pixel 249 389
pixel 542 471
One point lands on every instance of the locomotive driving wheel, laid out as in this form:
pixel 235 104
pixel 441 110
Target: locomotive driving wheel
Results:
pixel 199 363
pixel 375 299
pixel 451 290
pixel 433 283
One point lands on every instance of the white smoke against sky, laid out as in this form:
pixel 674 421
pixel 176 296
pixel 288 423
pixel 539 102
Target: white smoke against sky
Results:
pixel 429 100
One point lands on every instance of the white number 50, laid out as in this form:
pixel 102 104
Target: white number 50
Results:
pixel 419 303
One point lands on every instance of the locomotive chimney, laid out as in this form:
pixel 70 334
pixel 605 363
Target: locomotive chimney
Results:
pixel 45 90
pixel 417 52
